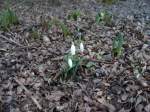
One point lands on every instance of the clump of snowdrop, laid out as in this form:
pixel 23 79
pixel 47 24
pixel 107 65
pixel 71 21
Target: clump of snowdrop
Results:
pixel 73 52
pixel 75 61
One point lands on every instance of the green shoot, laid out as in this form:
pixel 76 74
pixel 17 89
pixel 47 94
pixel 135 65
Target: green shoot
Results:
pixel 117 45
pixel 139 67
pixel 61 25
pixel 34 34
pixel 104 18
pixel 74 15
pixel 7 18
pixel 64 29
pixel 76 61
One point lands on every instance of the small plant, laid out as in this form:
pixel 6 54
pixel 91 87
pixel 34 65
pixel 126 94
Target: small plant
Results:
pixel 139 69
pixel 117 45
pixel 75 61
pixel 7 18
pixel 61 25
pixel 45 25
pixel 34 34
pixel 104 18
pixel 74 15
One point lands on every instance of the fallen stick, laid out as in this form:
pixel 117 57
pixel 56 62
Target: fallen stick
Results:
pixel 13 42
pixel 29 94
pixel 10 41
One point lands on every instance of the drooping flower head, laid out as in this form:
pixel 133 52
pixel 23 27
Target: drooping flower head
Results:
pixel 81 47
pixel 102 15
pixel 73 49
pixel 70 63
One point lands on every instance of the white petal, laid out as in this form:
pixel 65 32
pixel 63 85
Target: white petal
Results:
pixel 102 15
pixel 70 63
pixel 81 47
pixel 73 49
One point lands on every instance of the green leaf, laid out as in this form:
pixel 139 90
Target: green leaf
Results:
pixel 98 18
pixel 74 15
pixel 117 45
pixel 104 17
pixel 7 19
pixel 61 25
pixel 64 29
pixel 68 72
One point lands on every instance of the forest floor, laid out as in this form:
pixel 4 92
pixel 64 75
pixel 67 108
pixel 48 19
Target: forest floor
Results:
pixel 31 63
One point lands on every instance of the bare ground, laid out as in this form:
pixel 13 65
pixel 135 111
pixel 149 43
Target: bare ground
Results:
pixel 28 66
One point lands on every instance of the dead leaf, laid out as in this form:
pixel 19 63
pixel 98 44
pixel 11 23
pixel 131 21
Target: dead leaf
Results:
pixel 139 108
pixel 147 108
pixel 123 110
pixel 140 99
pixel 124 97
pixel 55 96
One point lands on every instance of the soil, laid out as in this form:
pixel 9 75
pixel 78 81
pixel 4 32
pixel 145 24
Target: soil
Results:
pixel 30 65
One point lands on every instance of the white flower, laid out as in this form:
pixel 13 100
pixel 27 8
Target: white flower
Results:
pixel 70 63
pixel 81 47
pixel 73 49
pixel 102 15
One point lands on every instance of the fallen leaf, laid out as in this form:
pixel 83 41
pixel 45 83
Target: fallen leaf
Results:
pixel 147 108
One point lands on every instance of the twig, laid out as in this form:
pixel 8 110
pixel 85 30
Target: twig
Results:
pixel 59 58
pixel 10 41
pixel 57 75
pixel 29 93
pixel 13 42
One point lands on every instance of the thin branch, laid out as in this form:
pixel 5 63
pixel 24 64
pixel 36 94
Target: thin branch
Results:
pixel 29 93
pixel 13 42
pixel 10 41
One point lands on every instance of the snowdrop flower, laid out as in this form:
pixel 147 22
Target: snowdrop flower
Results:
pixel 73 49
pixel 70 63
pixel 81 47
pixel 102 15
